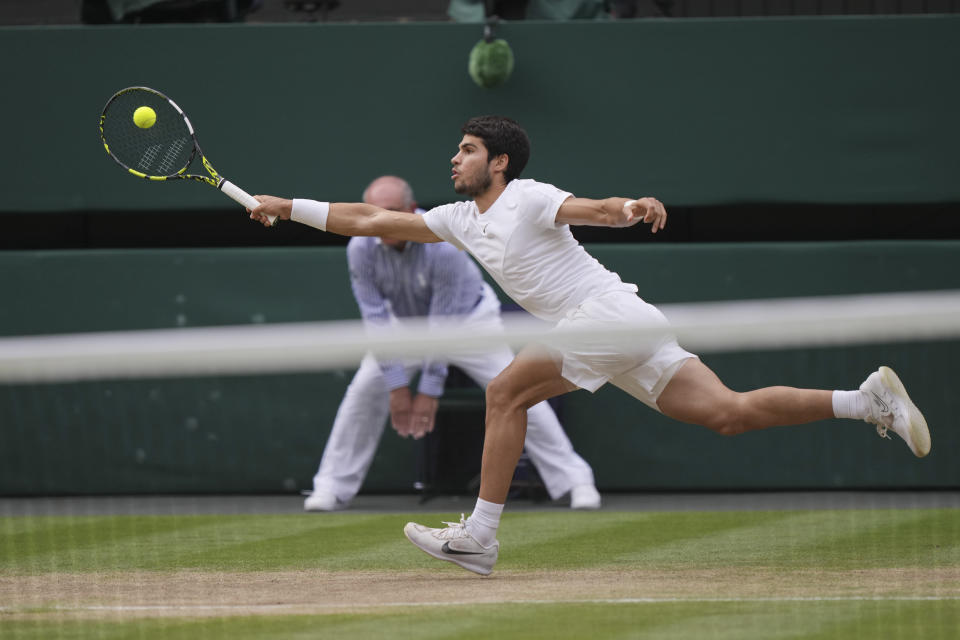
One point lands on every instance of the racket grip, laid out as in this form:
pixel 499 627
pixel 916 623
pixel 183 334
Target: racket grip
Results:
pixel 243 197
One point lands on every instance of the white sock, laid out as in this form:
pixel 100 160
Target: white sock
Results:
pixel 483 522
pixel 851 404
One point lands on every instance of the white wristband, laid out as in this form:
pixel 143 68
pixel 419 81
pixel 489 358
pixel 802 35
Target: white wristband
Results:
pixel 310 213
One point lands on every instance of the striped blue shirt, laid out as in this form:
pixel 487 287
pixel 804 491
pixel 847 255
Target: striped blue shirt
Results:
pixel 431 280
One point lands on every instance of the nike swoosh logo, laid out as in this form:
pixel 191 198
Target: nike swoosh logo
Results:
pixel 446 549
pixel 883 405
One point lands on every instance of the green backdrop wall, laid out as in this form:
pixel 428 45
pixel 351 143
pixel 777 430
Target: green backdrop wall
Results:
pixel 697 112
pixel 266 433
pixel 841 110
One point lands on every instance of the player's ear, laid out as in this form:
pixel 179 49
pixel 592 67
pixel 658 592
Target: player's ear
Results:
pixel 500 162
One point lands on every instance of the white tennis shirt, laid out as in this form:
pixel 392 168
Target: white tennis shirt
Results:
pixel 535 261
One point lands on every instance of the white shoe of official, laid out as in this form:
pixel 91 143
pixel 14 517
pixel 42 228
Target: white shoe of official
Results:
pixel 584 496
pixel 322 501
pixel 454 544
pixel 891 408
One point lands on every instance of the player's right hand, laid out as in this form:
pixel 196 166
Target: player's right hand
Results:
pixel 271 206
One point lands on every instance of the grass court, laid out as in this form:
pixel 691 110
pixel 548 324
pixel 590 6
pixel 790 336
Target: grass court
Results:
pixel 835 573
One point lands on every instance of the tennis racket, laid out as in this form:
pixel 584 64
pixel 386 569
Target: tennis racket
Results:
pixel 162 145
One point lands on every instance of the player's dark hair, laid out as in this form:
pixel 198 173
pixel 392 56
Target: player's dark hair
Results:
pixel 501 135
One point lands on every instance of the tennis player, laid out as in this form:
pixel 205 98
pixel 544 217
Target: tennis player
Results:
pixel 519 231
pixel 395 279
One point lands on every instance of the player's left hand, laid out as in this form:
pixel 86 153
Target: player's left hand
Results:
pixel 423 415
pixel 649 210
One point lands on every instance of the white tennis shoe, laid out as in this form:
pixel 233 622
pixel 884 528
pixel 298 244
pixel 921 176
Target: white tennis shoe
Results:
pixel 453 544
pixel 585 496
pixel 891 408
pixel 322 501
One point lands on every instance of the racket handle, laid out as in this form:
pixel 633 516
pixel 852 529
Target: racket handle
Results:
pixel 243 198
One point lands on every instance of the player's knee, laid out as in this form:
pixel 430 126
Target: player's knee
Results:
pixel 729 417
pixel 501 394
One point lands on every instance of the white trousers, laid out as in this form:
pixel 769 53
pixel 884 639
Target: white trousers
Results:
pixel 365 408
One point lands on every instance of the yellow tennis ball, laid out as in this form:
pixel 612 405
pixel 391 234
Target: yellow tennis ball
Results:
pixel 144 117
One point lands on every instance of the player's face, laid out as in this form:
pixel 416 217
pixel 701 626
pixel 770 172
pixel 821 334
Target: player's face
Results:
pixel 471 169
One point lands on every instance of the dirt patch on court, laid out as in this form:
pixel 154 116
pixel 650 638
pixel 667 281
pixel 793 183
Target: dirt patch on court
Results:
pixel 127 595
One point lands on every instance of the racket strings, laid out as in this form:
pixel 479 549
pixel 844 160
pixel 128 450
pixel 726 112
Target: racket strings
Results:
pixel 148 157
pixel 170 159
pixel 163 149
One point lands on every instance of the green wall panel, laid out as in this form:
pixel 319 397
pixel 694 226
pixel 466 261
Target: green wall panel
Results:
pixel 697 112
pixel 266 433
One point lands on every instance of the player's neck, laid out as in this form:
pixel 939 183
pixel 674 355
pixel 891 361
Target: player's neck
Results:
pixel 486 199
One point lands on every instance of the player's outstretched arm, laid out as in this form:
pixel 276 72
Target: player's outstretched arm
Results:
pixel 613 212
pixel 346 219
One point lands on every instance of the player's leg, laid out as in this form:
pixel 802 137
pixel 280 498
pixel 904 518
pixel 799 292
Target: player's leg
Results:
pixel 532 377
pixel 696 395
pixel 675 382
pixel 353 441
pixel 549 448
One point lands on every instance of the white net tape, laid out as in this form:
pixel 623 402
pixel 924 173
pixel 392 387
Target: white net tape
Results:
pixel 701 328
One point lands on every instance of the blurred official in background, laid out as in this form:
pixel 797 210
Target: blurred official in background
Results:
pixel 394 279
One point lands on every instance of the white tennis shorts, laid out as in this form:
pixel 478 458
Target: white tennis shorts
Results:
pixel 642 370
